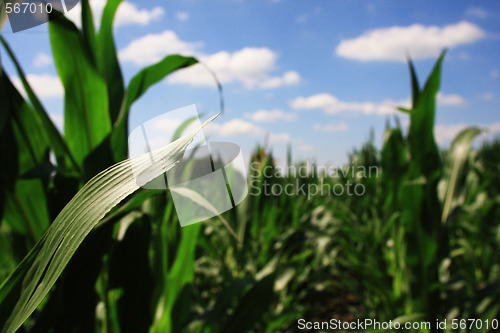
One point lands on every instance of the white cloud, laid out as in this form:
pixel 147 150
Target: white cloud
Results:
pixel 450 100
pixel 240 127
pixel 127 13
pixel 167 125
pixel 182 16
pixel 418 41
pixel 332 105
pixel 235 127
pixel 269 116
pixel 42 59
pixel 289 78
pixel 249 66
pixel 444 134
pixel 390 107
pixel 153 47
pixel 333 127
pixel 44 86
pixel 279 137
pixel 476 12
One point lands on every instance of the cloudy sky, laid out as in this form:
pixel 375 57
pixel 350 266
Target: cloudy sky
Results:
pixel 316 74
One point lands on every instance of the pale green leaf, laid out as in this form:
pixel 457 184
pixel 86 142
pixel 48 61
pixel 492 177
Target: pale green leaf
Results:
pixel 458 155
pixel 200 200
pixel 33 278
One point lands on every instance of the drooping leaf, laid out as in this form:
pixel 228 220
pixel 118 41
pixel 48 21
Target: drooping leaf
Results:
pixel 26 287
pixel 458 156
pixel 136 88
pixel 203 202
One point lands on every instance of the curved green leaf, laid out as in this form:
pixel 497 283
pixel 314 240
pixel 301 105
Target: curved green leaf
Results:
pixel 136 88
pixel 458 156
pixel 26 287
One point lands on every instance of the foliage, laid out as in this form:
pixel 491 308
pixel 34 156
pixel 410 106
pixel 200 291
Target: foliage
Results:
pixel 420 242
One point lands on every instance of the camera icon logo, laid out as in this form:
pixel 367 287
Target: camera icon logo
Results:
pixel 209 180
pixel 26 14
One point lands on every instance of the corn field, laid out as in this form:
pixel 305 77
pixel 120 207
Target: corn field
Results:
pixel 84 249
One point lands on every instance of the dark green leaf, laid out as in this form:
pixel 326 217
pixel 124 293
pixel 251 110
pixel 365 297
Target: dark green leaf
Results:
pixel 88 31
pixel 57 143
pixel 86 118
pixel 107 61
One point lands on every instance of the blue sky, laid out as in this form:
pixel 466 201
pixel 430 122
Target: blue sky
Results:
pixel 316 74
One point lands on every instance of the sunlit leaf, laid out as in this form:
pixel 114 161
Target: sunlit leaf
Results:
pixel 26 287
pixel 86 117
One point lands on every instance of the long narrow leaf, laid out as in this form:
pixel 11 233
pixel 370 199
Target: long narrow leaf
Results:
pixel 31 281
pixel 459 153
pixel 107 61
pixel 86 118
pixel 136 88
pixel 61 150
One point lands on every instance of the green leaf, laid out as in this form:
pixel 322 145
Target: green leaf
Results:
pixel 458 156
pixel 136 88
pixel 86 118
pixel 88 31
pixel 203 202
pixel 61 150
pixel 107 61
pixel 31 139
pixel 423 148
pixel 26 144
pixel 178 132
pixel 26 209
pixel 252 306
pixel 26 287
pixel 182 272
pixel 415 87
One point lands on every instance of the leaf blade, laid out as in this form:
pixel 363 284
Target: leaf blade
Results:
pixel 43 265
pixel 86 98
